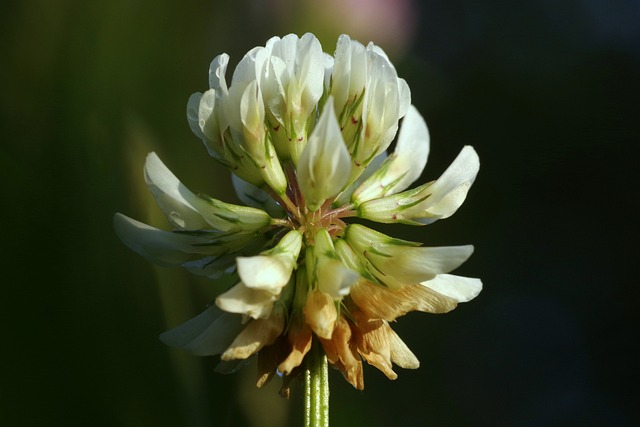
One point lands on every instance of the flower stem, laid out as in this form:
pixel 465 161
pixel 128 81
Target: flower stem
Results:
pixel 316 388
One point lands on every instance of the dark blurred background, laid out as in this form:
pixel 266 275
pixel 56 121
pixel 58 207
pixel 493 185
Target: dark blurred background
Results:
pixel 546 91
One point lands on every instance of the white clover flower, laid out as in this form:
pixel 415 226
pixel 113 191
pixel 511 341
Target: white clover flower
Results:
pixel 305 135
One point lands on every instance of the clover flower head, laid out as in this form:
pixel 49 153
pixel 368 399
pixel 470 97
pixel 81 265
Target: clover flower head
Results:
pixel 305 135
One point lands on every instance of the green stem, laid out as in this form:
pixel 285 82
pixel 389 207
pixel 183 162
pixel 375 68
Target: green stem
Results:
pixel 316 388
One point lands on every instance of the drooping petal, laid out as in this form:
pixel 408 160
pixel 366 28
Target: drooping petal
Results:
pixel 402 167
pixel 212 267
pixel 161 247
pixel 209 333
pixel 324 165
pixel 300 339
pixel 254 336
pixel 172 197
pixel 341 353
pixel 400 353
pixel 182 207
pixel 462 289
pixel 373 343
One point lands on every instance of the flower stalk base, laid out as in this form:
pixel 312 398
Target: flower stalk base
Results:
pixel 316 389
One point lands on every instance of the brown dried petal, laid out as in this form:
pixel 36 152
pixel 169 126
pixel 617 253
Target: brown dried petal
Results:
pixel 372 338
pixel 379 302
pixel 268 359
pixel 341 352
pixel 254 336
pixel 300 338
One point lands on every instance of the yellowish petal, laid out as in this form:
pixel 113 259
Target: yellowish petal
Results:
pixel 379 302
pixel 320 313
pixel 300 338
pixel 254 336
pixel 341 353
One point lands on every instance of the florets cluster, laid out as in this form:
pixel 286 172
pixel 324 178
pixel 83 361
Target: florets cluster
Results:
pixel 305 135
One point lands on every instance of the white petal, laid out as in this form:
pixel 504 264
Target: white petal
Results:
pixel 404 166
pixel 193 106
pixel 371 168
pixel 310 63
pixel 450 190
pixel 349 71
pixel 404 97
pixel 380 108
pixel 334 278
pixel 252 113
pixel 462 289
pixel 169 194
pixel 271 270
pixel 158 246
pixel 243 300
pixel 265 273
pixel 412 150
pixel 324 165
pixel 398 262
pixel 217 71
pixel 209 333
pixel 208 116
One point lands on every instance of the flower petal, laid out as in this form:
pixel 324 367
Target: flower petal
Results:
pixel 320 313
pixel 161 247
pixel 324 165
pixel 429 202
pixel 209 333
pixel 450 190
pixel 271 270
pixel 342 355
pixel 254 336
pixel 461 289
pixel 186 210
pixel 253 196
pixel 217 71
pixel 344 197
pixel 262 272
pixel 373 343
pixel 332 276
pixel 400 353
pixel 402 167
pixel 300 339
pixel 255 303
pixel 378 302
pixel 397 262
pixel 172 197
